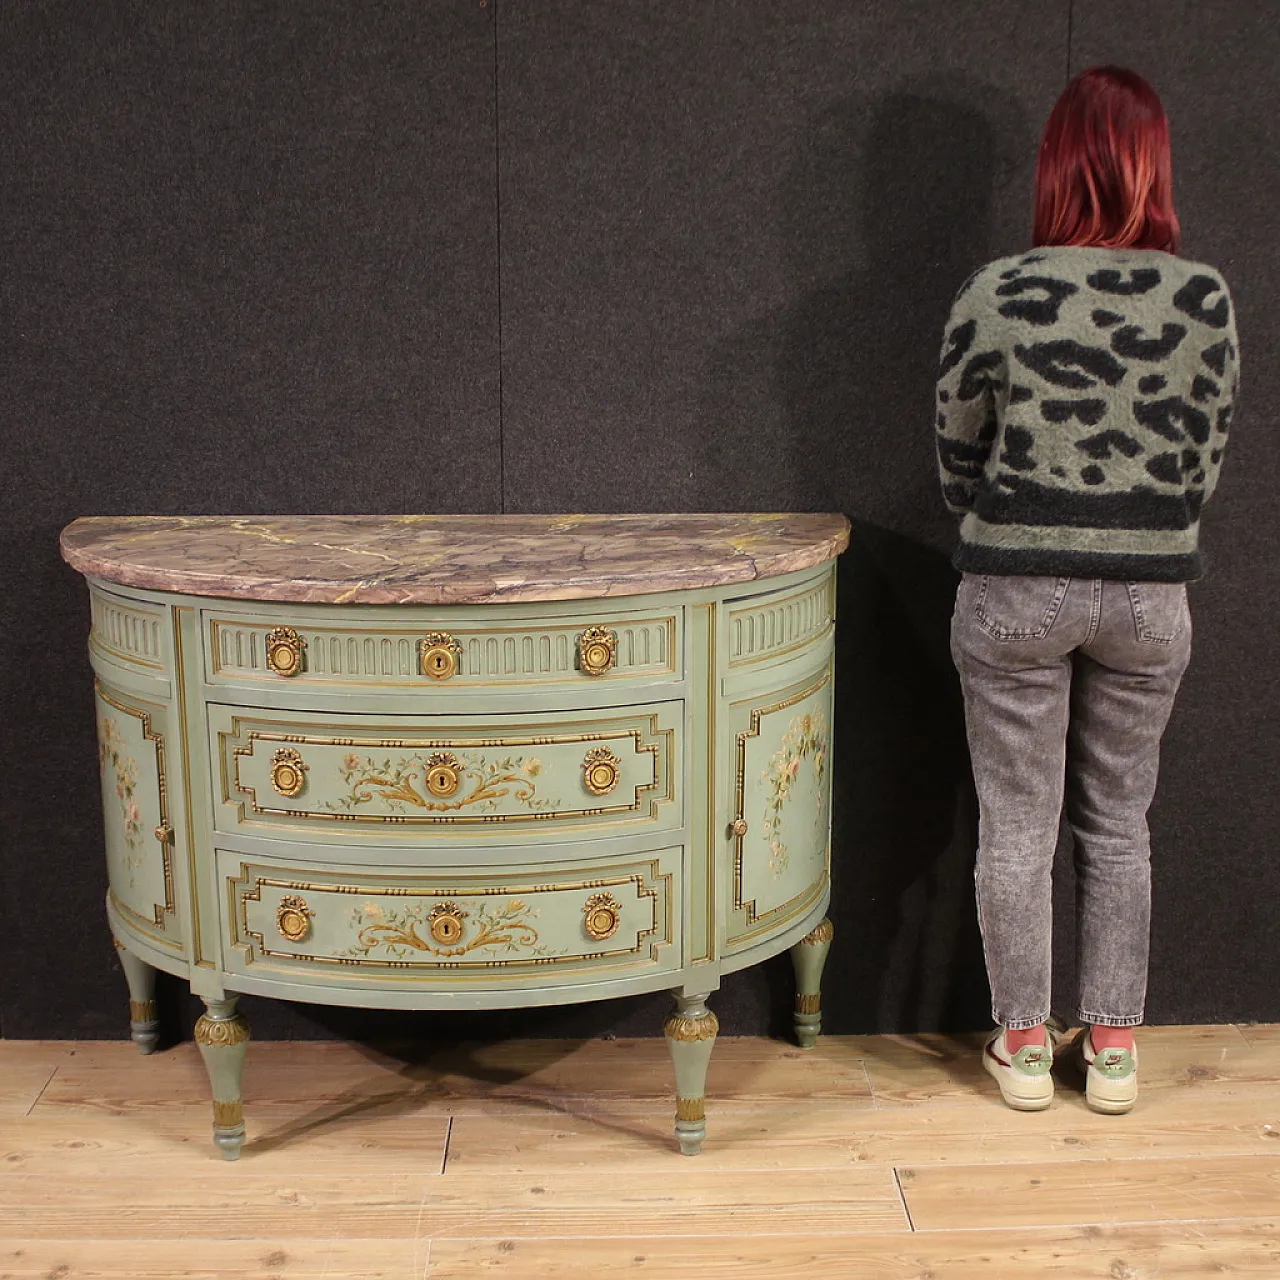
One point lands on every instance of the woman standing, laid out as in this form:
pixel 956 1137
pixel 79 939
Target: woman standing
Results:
pixel 1084 399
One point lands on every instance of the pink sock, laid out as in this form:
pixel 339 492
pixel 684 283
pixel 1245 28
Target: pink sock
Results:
pixel 1016 1040
pixel 1110 1038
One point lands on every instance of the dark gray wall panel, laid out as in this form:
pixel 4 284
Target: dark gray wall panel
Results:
pixel 730 237
pixel 1217 878
pixel 249 266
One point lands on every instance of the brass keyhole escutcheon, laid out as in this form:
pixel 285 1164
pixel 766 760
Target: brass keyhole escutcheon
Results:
pixel 443 775
pixel 438 654
pixel 600 771
pixel 288 772
pixel 293 919
pixel 440 663
pixel 597 651
pixel 603 914
pixel 284 651
pixel 445 921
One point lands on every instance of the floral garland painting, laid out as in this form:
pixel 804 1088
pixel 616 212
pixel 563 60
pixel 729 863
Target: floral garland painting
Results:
pixel 807 738
pixel 402 784
pixel 495 927
pixel 112 758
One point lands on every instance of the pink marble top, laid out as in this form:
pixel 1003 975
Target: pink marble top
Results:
pixel 462 559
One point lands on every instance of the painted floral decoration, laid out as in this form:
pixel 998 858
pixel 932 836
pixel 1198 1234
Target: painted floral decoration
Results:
pixel 112 757
pixel 806 738
pixel 496 927
pixel 402 784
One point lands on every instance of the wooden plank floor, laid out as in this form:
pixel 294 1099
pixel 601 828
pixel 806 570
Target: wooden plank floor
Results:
pixel 866 1157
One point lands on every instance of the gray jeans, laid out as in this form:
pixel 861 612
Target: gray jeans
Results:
pixel 1068 685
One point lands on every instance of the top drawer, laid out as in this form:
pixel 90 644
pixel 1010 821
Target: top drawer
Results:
pixel 306 647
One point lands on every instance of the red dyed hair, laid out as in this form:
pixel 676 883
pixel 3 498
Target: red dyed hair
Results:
pixel 1104 176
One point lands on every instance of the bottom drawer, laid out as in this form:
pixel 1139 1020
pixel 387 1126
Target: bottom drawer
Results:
pixel 522 927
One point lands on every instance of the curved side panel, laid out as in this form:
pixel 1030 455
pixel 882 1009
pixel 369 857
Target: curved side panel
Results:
pixel 782 796
pixel 139 835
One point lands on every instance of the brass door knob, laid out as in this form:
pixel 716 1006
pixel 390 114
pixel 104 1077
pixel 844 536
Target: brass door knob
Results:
pixel 288 772
pixel 600 771
pixel 740 827
pixel 438 654
pixel 602 915
pixel 164 833
pixel 443 775
pixel 284 651
pixel 597 651
pixel 446 923
pixel 293 919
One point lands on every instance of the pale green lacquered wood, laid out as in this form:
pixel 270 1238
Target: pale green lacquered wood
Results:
pixel 196 838
pixel 135 764
pixel 455 931
pixel 512 778
pixel 809 956
pixel 717 713
pixel 781 756
pixel 144 1023
pixel 691 1035
pixel 381 650
pixel 223 1036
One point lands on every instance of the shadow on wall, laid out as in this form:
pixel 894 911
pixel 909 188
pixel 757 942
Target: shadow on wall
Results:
pixel 888 207
pixel 858 369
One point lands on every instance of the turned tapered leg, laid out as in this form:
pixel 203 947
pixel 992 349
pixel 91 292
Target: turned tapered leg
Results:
pixel 223 1037
pixel 691 1035
pixel 809 955
pixel 144 1025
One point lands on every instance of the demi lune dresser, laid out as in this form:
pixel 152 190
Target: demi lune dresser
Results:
pixel 428 762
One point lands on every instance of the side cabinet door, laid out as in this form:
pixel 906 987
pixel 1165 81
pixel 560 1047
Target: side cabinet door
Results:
pixel 133 762
pixel 782 795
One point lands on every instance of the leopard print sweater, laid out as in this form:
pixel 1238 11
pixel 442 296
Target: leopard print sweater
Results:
pixel 1084 399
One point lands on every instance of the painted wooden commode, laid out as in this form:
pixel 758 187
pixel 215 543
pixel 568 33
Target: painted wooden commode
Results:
pixel 463 762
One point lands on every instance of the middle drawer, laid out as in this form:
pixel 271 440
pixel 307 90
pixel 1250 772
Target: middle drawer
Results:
pixel 551 775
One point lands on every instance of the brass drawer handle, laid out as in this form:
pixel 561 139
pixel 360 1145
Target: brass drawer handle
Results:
pixel 288 772
pixel 597 651
pixel 293 919
pixel 446 923
pixel 443 774
pixel 600 771
pixel 603 914
pixel 438 654
pixel 284 651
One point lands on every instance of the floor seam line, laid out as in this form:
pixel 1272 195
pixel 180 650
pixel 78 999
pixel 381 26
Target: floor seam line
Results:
pixel 1116 1223
pixel 41 1094
pixel 444 1155
pixel 902 1197
pixel 871 1084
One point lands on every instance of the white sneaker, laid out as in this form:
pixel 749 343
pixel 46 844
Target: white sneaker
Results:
pixel 1110 1077
pixel 1024 1077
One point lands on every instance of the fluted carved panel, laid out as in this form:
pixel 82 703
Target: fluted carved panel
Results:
pixel 132 633
pixel 646 647
pixel 765 630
